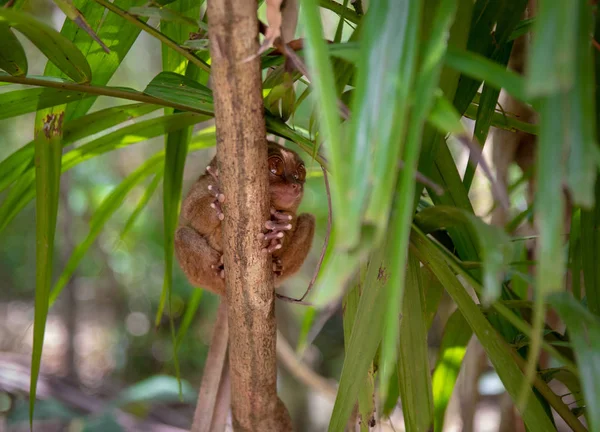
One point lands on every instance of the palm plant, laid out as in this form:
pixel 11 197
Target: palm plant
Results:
pixel 404 226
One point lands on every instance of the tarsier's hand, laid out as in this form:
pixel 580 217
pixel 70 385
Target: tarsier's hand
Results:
pixel 215 191
pixel 279 222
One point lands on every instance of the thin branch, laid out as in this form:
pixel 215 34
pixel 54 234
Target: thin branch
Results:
pixel 212 378
pixel 99 91
pixel 155 33
pixel 478 159
pixel 301 371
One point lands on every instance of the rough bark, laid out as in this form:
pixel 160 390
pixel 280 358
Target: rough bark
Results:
pixel 242 161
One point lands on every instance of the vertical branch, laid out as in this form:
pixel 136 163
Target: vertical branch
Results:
pixel 242 160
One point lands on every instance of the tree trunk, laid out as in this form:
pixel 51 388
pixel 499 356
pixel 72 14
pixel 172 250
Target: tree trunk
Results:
pixel 243 173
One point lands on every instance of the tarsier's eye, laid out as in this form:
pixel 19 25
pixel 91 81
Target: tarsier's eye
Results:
pixel 300 174
pixel 276 165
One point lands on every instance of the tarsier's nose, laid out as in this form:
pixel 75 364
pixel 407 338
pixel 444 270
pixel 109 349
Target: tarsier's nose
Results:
pixel 295 187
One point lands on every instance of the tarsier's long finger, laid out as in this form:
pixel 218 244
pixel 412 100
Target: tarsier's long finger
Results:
pixel 274 226
pixel 214 172
pixel 280 215
pixel 214 191
pixel 217 206
pixel 273 246
pixel 273 235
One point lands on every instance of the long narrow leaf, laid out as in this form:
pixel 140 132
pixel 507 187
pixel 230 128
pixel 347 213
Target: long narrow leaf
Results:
pixel 497 349
pixel 323 83
pixel 56 47
pixel 16 163
pixel 48 151
pixel 413 361
pixel 12 54
pixel 425 93
pixel 584 331
pixel 457 334
pixel 101 215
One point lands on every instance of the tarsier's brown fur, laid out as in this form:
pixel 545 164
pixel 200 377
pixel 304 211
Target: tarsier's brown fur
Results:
pixel 288 239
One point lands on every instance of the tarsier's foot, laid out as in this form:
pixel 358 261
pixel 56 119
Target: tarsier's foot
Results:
pixel 219 268
pixel 279 223
pixel 215 191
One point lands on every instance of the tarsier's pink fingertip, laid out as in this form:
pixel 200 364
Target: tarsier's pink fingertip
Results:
pixel 210 187
pixel 221 197
pixel 290 217
pixel 280 235
pixel 278 247
pixel 221 216
pixel 213 206
pixel 288 226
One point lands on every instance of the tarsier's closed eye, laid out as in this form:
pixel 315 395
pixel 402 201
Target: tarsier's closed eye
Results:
pixel 276 165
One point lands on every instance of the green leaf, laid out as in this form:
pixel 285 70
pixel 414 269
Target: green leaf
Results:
pixel 101 215
pixel 12 54
pixel 48 151
pixel 389 41
pixel 118 35
pixel 16 163
pixel 457 334
pixel 56 47
pixel 444 117
pixel 485 115
pixel 491 27
pixel 176 148
pixel 173 87
pixel 19 102
pixel 139 132
pixel 364 339
pixel 582 140
pixel 504 121
pixel 159 388
pixel 553 58
pixel 494 244
pixel 119 92
pixel 494 74
pixel 324 92
pixel 188 316
pixel 366 392
pixel 425 89
pixel 165 15
pixel 414 378
pixel 78 18
pixel 142 203
pixel 584 332
pixel 498 351
pixel 590 253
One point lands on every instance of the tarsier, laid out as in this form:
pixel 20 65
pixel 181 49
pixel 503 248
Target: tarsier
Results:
pixel 287 239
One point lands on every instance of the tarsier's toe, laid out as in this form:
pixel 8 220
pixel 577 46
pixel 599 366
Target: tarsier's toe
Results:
pixel 274 226
pixel 280 215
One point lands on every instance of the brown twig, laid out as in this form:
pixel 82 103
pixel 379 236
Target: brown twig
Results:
pixel 301 371
pixel 213 375
pixel 477 159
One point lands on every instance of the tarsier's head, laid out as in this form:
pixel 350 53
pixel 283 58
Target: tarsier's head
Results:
pixel 287 175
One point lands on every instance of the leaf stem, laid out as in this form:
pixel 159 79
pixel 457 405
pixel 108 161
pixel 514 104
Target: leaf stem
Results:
pixel 99 91
pixel 155 33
